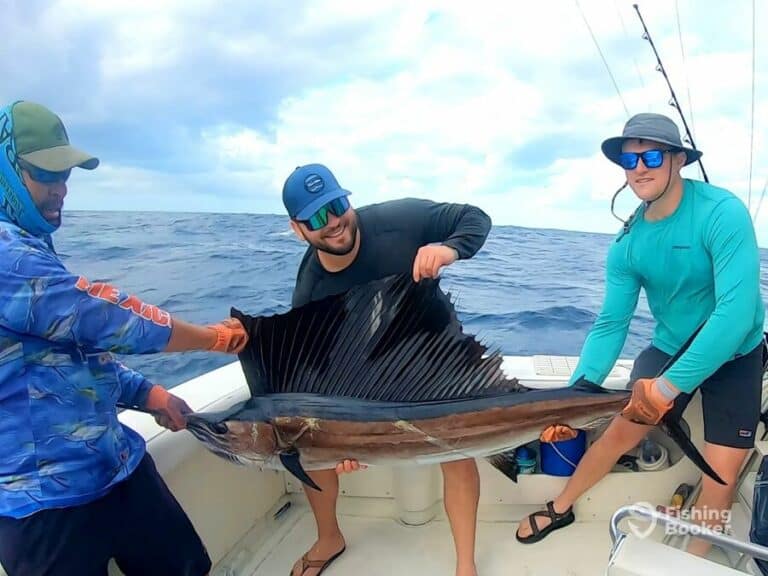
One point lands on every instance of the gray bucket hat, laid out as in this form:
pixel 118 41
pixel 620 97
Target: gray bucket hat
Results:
pixel 649 126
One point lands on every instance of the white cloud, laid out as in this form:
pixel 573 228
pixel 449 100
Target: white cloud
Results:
pixel 500 104
pixel 138 47
pixel 480 85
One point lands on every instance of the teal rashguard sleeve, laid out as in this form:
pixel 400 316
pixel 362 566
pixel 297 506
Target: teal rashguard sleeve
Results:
pixel 609 332
pixel 730 240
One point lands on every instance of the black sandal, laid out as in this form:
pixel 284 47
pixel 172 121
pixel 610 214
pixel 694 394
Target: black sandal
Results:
pixel 558 521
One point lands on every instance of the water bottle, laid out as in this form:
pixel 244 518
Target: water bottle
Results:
pixel 526 460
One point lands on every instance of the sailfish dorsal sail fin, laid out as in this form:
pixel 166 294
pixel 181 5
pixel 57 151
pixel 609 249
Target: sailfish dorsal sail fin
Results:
pixel 391 340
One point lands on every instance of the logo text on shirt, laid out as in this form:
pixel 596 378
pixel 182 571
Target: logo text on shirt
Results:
pixel 109 293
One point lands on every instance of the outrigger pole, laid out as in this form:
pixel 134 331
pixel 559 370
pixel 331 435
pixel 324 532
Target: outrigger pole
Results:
pixel 674 103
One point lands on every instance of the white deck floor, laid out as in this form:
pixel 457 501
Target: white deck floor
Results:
pixel 378 546
pixel 382 547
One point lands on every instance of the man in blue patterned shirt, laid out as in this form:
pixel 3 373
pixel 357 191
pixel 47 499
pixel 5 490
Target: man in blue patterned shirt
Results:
pixel 76 486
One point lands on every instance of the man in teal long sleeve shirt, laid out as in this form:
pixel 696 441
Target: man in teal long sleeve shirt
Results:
pixel 700 264
pixel 691 246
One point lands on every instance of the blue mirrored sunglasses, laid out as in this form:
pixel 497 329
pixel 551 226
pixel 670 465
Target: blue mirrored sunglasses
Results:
pixel 651 159
pixel 44 176
pixel 318 220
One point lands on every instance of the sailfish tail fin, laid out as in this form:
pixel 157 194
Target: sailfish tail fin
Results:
pixel 675 431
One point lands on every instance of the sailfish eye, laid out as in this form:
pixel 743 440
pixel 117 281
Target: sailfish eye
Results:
pixel 219 427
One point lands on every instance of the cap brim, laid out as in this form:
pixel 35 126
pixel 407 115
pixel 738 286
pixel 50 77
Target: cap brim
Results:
pixel 61 158
pixel 319 202
pixel 612 149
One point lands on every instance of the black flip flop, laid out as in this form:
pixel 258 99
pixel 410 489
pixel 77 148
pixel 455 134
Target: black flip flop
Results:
pixel 557 521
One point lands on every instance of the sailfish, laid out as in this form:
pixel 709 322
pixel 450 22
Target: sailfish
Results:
pixel 385 374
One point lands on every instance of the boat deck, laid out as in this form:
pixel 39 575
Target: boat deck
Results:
pixel 382 546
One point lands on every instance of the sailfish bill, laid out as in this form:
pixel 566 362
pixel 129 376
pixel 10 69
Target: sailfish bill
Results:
pixel 385 374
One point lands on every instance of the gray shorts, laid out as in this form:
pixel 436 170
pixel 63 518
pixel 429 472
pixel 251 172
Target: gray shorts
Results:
pixel 730 398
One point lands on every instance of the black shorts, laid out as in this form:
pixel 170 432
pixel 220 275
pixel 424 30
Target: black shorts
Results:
pixel 730 398
pixel 138 523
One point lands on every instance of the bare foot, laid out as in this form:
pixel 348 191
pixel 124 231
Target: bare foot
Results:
pixel 321 550
pixel 466 570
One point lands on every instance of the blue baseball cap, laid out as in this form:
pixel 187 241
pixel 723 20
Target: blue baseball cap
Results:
pixel 308 189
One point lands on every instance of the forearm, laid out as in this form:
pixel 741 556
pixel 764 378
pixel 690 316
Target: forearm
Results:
pixel 43 299
pixel 600 351
pixel 134 387
pixel 717 342
pixel 186 336
pixel 470 233
pixel 606 338
pixel 462 227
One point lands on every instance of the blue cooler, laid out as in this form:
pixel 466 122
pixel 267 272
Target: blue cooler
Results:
pixel 560 458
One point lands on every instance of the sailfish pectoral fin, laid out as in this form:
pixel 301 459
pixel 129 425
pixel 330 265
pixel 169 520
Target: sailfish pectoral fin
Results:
pixel 675 431
pixel 290 459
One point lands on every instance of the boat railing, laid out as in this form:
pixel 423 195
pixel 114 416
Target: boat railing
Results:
pixel 681 526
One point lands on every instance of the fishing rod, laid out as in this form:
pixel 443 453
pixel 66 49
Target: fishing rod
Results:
pixel 674 103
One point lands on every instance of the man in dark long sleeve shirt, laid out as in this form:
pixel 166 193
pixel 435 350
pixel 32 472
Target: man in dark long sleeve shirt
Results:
pixel 394 233
pixel 348 247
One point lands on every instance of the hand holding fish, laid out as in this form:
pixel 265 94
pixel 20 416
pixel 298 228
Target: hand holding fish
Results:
pixel 231 336
pixel 429 259
pixel 349 466
pixel 648 403
pixel 169 410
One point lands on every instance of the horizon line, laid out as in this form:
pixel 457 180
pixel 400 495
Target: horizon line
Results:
pixel 210 213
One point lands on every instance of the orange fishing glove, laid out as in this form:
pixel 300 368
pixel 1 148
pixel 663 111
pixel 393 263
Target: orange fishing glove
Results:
pixel 168 409
pixel 647 404
pixel 231 336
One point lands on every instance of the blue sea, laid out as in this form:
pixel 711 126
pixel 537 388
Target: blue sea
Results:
pixel 528 291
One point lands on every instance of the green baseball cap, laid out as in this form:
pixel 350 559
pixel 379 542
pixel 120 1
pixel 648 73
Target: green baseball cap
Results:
pixel 42 140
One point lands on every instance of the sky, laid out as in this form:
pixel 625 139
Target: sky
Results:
pixel 204 106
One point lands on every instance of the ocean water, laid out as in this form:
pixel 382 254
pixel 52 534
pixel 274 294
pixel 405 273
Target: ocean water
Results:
pixel 528 291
